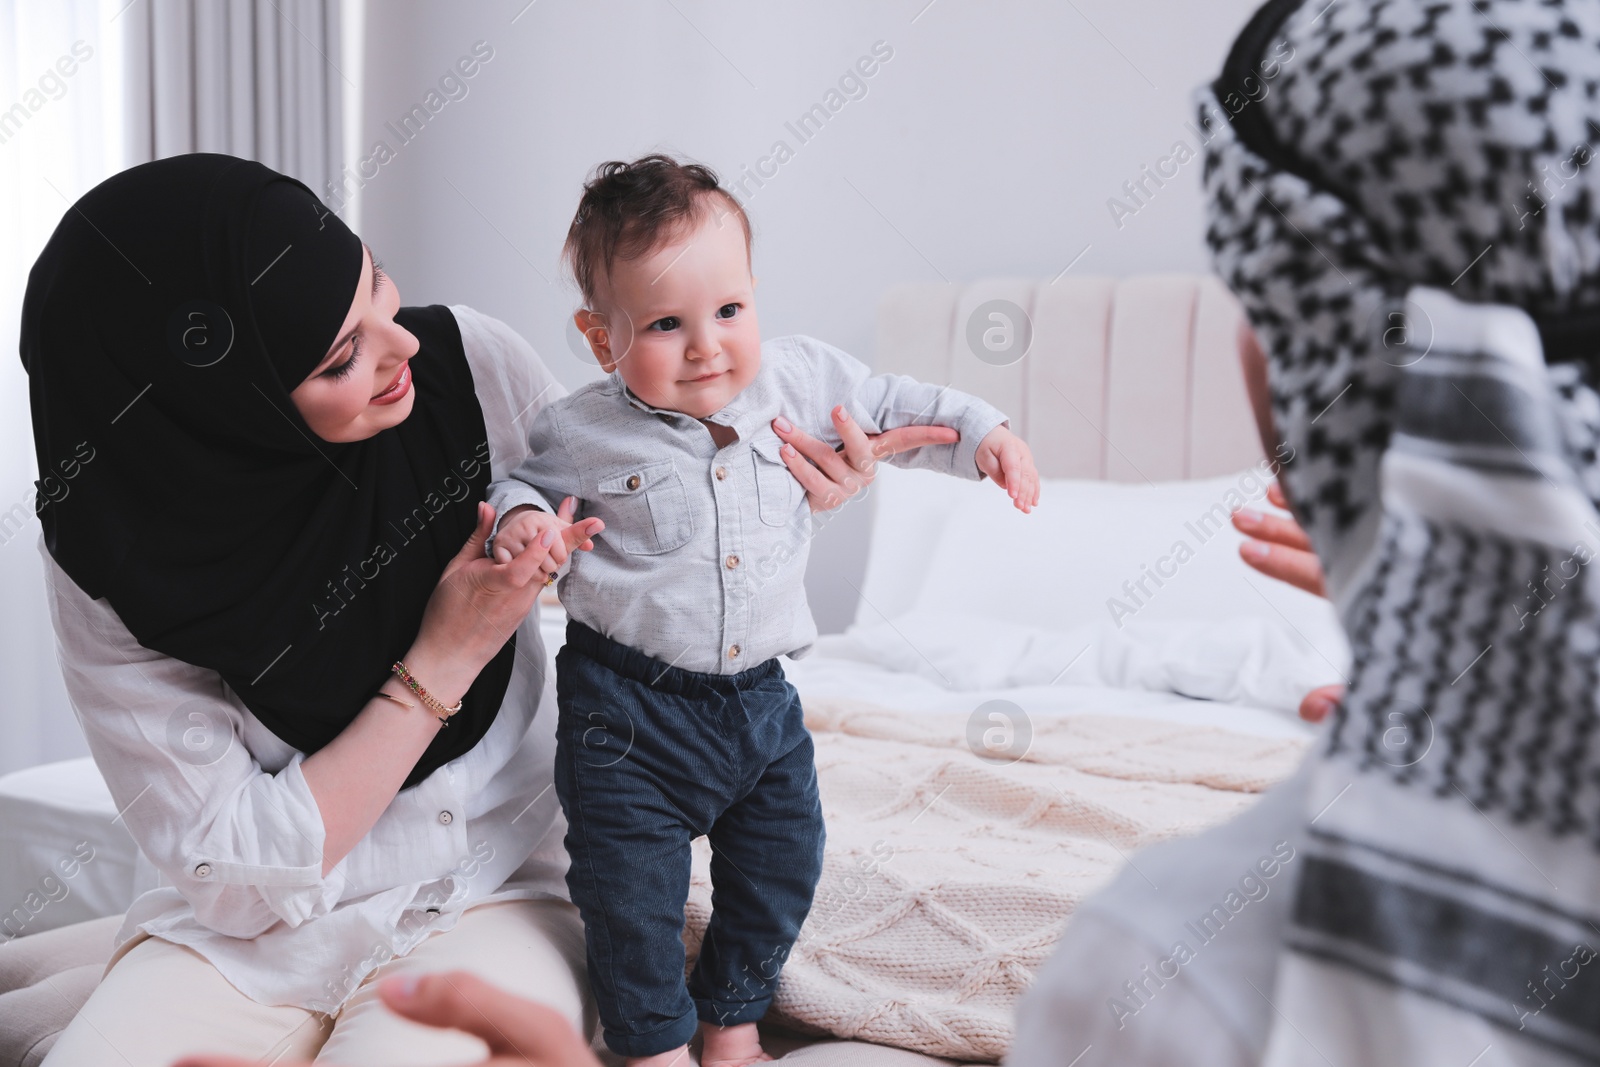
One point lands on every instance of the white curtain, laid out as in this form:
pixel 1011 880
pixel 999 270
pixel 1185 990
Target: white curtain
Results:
pixel 88 88
pixel 61 77
pixel 262 79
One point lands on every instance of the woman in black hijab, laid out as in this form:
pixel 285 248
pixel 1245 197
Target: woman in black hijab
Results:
pixel 274 510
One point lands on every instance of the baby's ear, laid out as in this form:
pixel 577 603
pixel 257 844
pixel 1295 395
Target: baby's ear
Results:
pixel 592 325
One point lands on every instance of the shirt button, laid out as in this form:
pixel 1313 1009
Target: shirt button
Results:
pixel 203 871
pixel 722 472
pixel 445 817
pixel 733 561
pixel 633 481
pixel 733 651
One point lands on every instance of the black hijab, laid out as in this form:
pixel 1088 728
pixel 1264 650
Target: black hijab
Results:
pixel 165 324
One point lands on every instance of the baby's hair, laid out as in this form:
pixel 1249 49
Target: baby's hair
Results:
pixel 630 209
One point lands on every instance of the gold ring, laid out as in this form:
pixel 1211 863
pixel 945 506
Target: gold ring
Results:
pixel 550 580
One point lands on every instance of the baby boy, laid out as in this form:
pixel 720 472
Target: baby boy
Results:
pixel 674 716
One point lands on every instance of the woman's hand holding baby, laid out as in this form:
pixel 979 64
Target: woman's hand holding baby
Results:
pixel 478 602
pixel 1006 458
pixel 525 524
pixel 831 476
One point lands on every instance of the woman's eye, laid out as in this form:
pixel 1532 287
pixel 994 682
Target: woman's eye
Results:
pixel 342 371
pixel 728 311
pixel 666 325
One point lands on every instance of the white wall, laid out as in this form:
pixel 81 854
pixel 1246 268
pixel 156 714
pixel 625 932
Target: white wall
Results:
pixel 988 145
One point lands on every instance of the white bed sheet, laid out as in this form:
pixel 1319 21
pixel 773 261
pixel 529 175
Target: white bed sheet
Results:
pixel 826 676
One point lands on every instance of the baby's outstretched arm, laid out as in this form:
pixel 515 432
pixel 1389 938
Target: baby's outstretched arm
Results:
pixel 524 524
pixel 1006 458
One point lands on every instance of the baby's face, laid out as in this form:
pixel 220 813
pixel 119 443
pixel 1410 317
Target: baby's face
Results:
pixel 680 321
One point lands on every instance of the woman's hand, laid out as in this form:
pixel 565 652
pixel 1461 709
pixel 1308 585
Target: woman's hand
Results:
pixel 523 524
pixel 475 607
pixel 479 602
pixel 830 477
pixel 519 1032
pixel 1276 546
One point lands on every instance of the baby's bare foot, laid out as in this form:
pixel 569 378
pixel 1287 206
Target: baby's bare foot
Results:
pixel 678 1057
pixel 731 1046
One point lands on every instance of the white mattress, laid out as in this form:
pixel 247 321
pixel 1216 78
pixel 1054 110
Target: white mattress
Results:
pixel 65 855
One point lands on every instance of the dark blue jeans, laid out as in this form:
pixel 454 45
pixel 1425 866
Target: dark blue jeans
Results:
pixel 649 757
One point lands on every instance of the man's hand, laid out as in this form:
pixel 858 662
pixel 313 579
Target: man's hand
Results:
pixel 1276 546
pixel 519 1033
pixel 525 524
pixel 1006 458
pixel 1320 702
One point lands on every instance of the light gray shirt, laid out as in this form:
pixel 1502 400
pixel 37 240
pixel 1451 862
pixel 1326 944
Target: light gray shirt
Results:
pixel 702 561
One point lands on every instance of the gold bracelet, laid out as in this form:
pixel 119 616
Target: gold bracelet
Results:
pixel 397 700
pixel 439 710
pixel 406 704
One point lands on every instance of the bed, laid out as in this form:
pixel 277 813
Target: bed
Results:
pixel 1021 702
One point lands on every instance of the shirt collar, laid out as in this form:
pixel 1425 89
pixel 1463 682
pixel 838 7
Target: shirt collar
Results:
pixel 745 413
pixel 631 397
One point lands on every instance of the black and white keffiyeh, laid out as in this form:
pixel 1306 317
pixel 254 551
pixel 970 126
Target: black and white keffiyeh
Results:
pixel 1403 195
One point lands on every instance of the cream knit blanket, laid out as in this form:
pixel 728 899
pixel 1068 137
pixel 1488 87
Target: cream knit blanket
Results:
pixel 947 879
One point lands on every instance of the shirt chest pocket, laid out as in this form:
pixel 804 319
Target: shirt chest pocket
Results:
pixel 777 491
pixel 650 506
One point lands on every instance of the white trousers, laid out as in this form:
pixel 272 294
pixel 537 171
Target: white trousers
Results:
pixel 161 1001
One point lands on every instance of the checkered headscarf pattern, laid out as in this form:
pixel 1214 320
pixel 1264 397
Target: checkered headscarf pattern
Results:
pixel 1414 130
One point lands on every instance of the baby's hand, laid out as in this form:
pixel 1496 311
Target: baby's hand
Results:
pixel 524 524
pixel 1005 457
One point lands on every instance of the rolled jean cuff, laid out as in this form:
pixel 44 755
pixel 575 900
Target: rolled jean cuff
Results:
pixel 664 1039
pixel 731 1012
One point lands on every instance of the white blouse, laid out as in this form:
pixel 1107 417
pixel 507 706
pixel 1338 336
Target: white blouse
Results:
pixel 219 806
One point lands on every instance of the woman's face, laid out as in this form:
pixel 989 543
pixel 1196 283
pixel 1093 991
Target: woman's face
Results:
pixel 363 384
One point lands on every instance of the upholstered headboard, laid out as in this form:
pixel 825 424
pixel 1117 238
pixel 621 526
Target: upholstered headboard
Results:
pixel 1122 379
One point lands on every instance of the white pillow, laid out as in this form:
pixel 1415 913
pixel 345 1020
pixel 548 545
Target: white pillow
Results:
pixel 1090 553
pixel 1233 660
